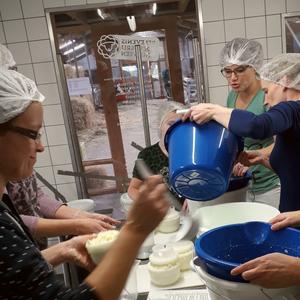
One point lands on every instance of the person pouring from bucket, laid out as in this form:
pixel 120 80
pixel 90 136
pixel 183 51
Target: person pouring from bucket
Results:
pixel 281 84
pixel 240 60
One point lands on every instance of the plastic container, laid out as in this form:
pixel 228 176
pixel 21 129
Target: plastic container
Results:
pixel 164 267
pixel 221 249
pixel 83 204
pixel 239 195
pixel 126 202
pixel 201 158
pixel 170 223
pixel 239 182
pixel 233 213
pixel 219 289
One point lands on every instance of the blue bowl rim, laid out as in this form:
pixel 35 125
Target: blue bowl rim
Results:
pixel 166 139
pixel 210 259
pixel 166 142
pixel 246 176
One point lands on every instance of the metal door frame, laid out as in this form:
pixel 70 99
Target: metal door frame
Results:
pixel 60 76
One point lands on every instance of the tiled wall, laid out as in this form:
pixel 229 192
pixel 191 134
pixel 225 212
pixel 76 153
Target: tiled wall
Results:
pixel 23 29
pixel 253 19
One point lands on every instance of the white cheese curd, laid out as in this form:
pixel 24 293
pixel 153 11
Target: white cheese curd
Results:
pixel 163 267
pixel 185 252
pixel 99 245
pixel 170 223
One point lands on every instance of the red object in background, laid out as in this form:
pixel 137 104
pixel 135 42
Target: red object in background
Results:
pixel 121 97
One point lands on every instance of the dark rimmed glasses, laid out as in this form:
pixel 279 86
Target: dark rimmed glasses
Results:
pixel 227 73
pixel 32 134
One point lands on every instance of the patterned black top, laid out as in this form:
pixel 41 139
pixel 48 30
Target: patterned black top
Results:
pixel 24 274
pixel 158 163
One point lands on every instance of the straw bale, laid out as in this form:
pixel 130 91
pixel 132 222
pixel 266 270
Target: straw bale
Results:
pixel 95 183
pixel 83 112
pixel 70 71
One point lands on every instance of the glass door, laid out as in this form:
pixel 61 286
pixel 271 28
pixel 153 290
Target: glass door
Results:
pixel 108 49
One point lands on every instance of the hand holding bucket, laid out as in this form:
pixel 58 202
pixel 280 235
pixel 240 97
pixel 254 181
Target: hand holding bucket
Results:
pixel 200 169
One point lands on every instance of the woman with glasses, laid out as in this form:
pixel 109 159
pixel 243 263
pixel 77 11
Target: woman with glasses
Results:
pixel 240 59
pixel 43 215
pixel 27 273
pixel 281 85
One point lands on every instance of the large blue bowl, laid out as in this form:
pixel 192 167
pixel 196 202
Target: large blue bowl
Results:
pixel 221 249
pixel 201 158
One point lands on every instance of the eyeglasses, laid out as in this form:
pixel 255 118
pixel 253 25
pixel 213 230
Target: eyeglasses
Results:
pixel 226 72
pixel 32 134
pixel 14 68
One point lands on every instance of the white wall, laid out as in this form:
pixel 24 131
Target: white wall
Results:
pixel 253 19
pixel 23 29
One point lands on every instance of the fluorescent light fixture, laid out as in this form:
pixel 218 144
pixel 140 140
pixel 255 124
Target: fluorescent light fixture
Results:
pixel 154 8
pixel 77 56
pixel 131 22
pixel 64 45
pixel 101 14
pixel 75 48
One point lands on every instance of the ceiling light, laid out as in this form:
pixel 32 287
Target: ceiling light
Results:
pixel 131 22
pixel 64 45
pixel 154 8
pixel 101 14
pixel 75 48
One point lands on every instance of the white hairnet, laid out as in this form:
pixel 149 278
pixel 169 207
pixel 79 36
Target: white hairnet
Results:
pixel 16 94
pixel 6 59
pixel 283 69
pixel 241 51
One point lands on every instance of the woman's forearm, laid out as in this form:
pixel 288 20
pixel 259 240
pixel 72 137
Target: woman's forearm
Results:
pixel 110 275
pixel 222 115
pixel 66 212
pixel 55 227
pixel 56 254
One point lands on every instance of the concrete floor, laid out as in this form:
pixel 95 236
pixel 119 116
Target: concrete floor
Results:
pixel 97 146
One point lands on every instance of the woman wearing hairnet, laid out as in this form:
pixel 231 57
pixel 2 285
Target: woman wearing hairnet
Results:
pixel 281 84
pixel 25 272
pixel 240 61
pixel 43 215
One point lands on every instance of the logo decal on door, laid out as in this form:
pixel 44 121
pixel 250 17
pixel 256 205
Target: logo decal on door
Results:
pixel 123 47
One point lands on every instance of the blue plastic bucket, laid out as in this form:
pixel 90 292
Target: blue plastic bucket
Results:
pixel 201 158
pixel 221 249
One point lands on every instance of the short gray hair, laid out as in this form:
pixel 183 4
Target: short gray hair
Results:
pixel 167 107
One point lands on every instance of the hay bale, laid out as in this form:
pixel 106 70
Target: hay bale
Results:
pixel 70 71
pixel 95 183
pixel 83 112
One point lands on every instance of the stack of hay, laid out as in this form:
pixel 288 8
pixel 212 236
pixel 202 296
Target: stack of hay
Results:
pixel 83 112
pixel 94 184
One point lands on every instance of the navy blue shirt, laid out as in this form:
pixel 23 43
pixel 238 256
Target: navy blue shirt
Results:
pixel 282 120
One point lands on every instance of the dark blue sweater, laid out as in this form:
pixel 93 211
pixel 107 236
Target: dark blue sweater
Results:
pixel 282 120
